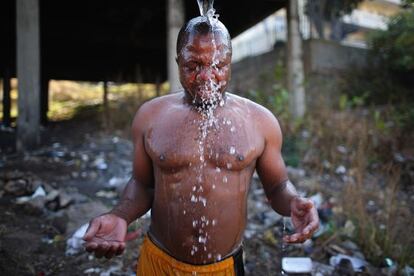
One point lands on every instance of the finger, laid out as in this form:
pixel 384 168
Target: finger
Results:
pixel 304 204
pixel 295 238
pixel 311 227
pixel 91 246
pixel 121 249
pixel 132 235
pixel 297 211
pixel 113 248
pixel 93 228
pixel 102 249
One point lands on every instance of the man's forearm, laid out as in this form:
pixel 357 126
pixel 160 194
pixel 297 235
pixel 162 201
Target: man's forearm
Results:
pixel 281 196
pixel 135 201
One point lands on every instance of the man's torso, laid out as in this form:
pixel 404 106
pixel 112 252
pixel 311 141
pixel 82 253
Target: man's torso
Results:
pixel 201 180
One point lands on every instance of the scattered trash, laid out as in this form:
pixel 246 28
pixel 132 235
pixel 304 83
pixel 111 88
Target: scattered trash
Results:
pixel 320 269
pixel 297 265
pixel 117 181
pixel 100 163
pixel 408 271
pixel 92 270
pixel 358 265
pixel 74 245
pixel 38 192
pixel 106 194
pixel 349 229
pixel 340 170
pixel 342 149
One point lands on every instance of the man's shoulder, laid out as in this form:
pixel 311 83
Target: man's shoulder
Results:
pixel 162 100
pixel 158 104
pixel 151 109
pixel 256 109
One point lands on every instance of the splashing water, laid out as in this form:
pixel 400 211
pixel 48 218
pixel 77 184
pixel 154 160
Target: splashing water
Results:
pixel 211 98
pixel 205 6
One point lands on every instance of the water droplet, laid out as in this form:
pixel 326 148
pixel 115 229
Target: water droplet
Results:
pixel 232 129
pixel 203 200
pixel 202 239
pixel 218 257
pixel 232 150
pixel 214 186
pixel 184 212
pixel 162 157
pixel 218 169
pixel 209 255
pixel 228 122
pixel 193 199
pixel 214 222
pixel 229 166
pixel 225 179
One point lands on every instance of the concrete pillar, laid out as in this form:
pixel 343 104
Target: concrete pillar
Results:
pixel 175 20
pixel 295 70
pixel 6 98
pixel 28 74
pixel 44 101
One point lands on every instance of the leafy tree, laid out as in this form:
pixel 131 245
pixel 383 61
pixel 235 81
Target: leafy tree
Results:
pixel 394 48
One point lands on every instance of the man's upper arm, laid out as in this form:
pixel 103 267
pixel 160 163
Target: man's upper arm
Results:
pixel 142 163
pixel 270 165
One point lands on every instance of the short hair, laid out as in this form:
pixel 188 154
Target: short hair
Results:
pixel 201 26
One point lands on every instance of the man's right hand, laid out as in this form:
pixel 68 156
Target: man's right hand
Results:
pixel 106 235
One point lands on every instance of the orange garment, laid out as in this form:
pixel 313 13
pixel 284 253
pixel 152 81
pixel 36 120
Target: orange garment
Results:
pixel 154 261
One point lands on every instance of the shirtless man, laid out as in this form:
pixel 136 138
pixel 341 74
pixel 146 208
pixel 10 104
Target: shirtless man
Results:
pixel 194 156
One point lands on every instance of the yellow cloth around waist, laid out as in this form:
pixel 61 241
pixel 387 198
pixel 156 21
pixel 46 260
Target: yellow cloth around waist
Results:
pixel 154 261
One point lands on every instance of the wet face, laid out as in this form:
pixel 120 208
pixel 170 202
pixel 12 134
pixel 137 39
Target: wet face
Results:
pixel 204 66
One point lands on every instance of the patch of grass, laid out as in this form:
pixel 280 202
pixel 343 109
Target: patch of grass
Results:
pixel 365 142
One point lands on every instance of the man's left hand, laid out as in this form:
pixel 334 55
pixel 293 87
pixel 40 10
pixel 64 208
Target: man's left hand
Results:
pixel 304 218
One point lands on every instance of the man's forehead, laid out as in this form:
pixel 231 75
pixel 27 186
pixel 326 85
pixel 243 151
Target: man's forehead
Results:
pixel 195 41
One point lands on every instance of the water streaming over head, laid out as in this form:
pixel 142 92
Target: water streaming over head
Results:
pixel 205 6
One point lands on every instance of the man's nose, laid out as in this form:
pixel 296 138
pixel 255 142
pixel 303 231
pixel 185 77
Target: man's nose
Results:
pixel 205 73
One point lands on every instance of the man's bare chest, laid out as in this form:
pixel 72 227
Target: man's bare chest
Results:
pixel 226 143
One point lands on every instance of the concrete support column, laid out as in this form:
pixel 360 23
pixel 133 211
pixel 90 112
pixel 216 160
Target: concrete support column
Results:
pixel 28 74
pixel 295 69
pixel 175 20
pixel 6 98
pixel 44 101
